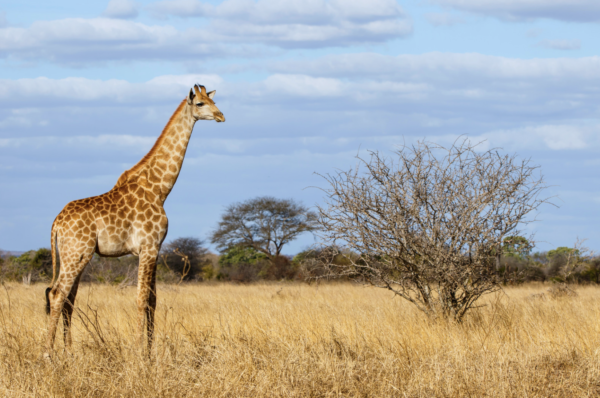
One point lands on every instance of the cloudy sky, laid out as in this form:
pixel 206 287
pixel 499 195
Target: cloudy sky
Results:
pixel 86 87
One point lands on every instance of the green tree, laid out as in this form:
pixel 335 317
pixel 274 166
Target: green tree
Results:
pixel 592 271
pixel 36 263
pixel 568 262
pixel 516 246
pixel 240 254
pixel 241 264
pixel 563 251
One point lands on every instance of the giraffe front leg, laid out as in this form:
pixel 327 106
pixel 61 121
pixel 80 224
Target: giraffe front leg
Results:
pixel 146 300
pixel 150 311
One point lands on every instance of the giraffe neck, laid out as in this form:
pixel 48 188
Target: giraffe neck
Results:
pixel 157 172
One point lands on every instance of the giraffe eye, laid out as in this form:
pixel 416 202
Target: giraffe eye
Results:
pixel 199 104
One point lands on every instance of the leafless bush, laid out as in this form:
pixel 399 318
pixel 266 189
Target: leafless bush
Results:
pixel 430 226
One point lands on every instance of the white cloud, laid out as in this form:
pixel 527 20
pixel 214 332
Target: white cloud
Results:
pixel 445 68
pixel 561 44
pixel 82 41
pixel 185 80
pixel 562 10
pixel 181 8
pixel 121 9
pixel 236 27
pixel 564 137
pixel 23 118
pixel 82 91
pixel 276 12
pixel 106 141
pixel 296 23
pixel 553 137
pixel 444 19
pixel 302 86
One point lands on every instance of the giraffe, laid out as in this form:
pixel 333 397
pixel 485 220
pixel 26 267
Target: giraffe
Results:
pixel 128 219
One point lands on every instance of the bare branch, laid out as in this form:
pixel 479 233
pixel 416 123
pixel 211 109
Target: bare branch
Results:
pixel 430 225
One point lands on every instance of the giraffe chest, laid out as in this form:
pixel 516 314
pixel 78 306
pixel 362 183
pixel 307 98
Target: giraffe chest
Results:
pixel 128 230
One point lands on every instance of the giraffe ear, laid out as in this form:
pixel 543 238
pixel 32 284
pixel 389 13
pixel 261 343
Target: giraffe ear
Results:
pixel 191 96
pixel 211 94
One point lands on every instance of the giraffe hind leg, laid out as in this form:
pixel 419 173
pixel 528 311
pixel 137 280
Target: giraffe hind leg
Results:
pixel 67 312
pixel 61 292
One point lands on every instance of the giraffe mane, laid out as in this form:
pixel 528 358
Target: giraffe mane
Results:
pixel 134 171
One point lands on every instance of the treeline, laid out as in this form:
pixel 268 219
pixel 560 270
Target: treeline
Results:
pixel 562 265
pixel 181 260
pixel 188 260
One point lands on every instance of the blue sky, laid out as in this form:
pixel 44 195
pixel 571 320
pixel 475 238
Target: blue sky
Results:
pixel 86 87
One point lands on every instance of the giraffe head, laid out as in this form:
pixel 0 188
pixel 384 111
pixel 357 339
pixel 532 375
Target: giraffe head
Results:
pixel 202 104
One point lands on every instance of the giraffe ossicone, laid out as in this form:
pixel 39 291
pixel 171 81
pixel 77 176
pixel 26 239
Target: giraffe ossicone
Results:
pixel 128 219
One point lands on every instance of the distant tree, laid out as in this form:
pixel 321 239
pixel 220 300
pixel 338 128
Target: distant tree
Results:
pixel 539 258
pixel 34 265
pixel 515 250
pixel 592 271
pixel 265 224
pixel 280 268
pixel 570 261
pixel 563 251
pixel 241 264
pixel 246 264
pixel 516 246
pixel 239 255
pixel 320 262
pixel 185 256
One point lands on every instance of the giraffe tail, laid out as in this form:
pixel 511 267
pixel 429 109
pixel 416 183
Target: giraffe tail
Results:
pixel 53 235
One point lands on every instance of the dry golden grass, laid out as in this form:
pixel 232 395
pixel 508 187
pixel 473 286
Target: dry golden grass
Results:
pixel 296 340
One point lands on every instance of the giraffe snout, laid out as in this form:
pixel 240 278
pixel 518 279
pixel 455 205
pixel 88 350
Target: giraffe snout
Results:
pixel 219 117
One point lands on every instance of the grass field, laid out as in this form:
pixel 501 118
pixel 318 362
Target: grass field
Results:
pixel 296 340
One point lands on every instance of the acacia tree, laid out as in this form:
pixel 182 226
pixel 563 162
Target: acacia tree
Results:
pixel 265 224
pixel 430 226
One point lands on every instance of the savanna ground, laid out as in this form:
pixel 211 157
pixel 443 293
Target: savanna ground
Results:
pixel 298 340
